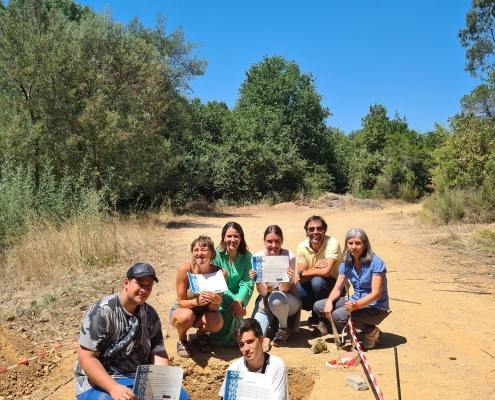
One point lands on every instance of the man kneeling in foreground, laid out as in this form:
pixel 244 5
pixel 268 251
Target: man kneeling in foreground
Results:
pixel 119 333
pixel 250 340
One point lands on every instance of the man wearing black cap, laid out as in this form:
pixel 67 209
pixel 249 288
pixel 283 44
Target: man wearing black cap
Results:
pixel 119 333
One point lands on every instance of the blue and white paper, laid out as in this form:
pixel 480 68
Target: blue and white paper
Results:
pixel 214 282
pixel 158 382
pixel 271 268
pixel 247 386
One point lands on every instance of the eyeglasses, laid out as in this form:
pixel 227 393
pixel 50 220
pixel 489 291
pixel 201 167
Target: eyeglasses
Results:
pixel 316 228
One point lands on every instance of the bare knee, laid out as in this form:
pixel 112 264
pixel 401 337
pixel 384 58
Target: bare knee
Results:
pixel 183 318
pixel 213 321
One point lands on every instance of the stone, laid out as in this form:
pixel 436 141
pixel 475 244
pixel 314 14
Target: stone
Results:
pixel 357 382
pixel 319 346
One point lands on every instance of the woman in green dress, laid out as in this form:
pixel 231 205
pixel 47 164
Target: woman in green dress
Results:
pixel 233 256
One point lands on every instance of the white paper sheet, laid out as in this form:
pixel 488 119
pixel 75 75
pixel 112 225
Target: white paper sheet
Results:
pixel 247 386
pixel 271 268
pixel 214 282
pixel 158 382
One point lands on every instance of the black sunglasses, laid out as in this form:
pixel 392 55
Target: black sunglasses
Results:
pixel 316 228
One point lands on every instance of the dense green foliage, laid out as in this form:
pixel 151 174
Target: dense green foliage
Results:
pixel 84 99
pixel 464 176
pixel 95 114
pixel 388 159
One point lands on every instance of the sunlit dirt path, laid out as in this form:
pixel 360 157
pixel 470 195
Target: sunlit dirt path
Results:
pixel 442 320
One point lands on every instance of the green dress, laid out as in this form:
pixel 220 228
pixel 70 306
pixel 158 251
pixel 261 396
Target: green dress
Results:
pixel 240 287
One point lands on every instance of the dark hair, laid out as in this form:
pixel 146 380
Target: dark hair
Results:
pixel 242 245
pixel 275 229
pixel 249 324
pixel 204 240
pixel 368 252
pixel 315 218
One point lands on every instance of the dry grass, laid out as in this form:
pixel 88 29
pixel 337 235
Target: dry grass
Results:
pixel 49 252
pixel 450 238
pixel 484 238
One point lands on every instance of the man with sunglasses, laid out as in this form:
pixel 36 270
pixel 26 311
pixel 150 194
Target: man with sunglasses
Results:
pixel 318 259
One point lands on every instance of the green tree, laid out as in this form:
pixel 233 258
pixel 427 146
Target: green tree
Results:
pixel 376 127
pixel 276 91
pixel 479 39
pixel 481 101
pixel 279 106
pixel 79 89
pixel 388 159
pixel 462 161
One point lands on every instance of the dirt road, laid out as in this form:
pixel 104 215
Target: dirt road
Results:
pixel 442 321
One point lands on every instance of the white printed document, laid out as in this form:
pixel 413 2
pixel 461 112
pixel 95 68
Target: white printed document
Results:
pixel 271 268
pixel 214 282
pixel 247 386
pixel 158 382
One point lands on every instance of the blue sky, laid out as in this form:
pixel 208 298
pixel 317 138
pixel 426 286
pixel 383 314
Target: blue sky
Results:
pixel 402 54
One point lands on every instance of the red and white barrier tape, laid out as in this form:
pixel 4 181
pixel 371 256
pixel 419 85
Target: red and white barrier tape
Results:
pixel 367 368
pixel 41 354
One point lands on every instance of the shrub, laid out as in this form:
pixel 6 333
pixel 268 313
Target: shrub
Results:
pixel 481 203
pixel 408 192
pixel 446 206
pixel 53 199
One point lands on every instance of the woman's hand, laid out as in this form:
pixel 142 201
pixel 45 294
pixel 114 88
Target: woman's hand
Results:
pixel 238 309
pixel 213 298
pixel 328 309
pixel 350 306
pixel 204 299
pixel 252 274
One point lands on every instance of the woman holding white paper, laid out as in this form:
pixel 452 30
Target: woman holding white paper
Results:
pixel 196 310
pixel 278 300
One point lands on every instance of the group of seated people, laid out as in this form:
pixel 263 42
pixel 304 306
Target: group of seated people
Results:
pixel 121 331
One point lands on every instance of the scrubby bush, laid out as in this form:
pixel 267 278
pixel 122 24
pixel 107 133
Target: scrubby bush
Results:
pixel 447 205
pixel 22 203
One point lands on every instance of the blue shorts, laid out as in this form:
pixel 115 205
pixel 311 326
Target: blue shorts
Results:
pixel 96 393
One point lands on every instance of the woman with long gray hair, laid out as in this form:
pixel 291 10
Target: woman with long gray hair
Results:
pixel 368 306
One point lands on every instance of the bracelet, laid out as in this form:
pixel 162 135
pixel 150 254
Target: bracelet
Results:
pixel 356 305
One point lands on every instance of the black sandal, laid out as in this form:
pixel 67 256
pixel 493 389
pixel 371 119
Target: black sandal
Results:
pixel 204 343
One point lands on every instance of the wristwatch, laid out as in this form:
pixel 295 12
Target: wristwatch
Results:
pixel 300 274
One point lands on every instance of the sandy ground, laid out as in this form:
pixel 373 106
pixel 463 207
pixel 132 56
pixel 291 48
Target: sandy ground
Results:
pixel 443 312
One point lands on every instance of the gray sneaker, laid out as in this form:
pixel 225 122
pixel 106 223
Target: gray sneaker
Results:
pixel 372 338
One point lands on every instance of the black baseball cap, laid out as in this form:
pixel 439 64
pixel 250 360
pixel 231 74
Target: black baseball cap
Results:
pixel 140 270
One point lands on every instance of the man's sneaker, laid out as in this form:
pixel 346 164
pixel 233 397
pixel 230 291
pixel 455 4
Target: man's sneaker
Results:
pixel 321 328
pixel 372 338
pixel 281 337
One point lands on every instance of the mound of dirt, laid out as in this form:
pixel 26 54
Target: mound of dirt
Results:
pixel 333 200
pixel 26 378
pixel 205 382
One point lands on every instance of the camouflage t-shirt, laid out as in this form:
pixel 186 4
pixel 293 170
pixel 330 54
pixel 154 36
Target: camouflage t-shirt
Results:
pixel 123 340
